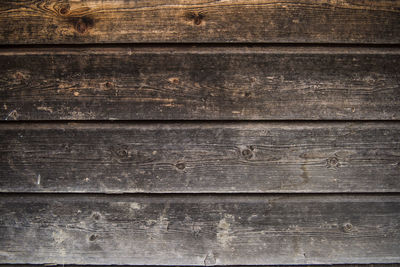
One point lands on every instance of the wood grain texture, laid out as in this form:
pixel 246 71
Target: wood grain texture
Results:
pixel 200 157
pixel 266 21
pixel 199 230
pixel 200 83
pixel 302 265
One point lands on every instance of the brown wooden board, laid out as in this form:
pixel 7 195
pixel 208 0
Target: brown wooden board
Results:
pixel 199 229
pixel 258 21
pixel 200 83
pixel 200 157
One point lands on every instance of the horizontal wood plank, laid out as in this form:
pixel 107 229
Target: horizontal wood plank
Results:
pixel 302 265
pixel 200 157
pixel 261 21
pixel 199 230
pixel 203 83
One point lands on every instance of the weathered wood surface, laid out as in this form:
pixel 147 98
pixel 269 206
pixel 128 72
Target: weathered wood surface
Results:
pixel 199 229
pixel 313 265
pixel 155 83
pixel 271 21
pixel 200 157
pixel 302 265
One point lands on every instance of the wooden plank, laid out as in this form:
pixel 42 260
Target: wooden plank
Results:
pixel 200 157
pixel 313 265
pixel 261 21
pixel 155 83
pixel 302 265
pixel 199 229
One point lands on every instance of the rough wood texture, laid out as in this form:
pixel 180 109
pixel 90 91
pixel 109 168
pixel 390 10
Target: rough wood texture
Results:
pixel 302 265
pixel 271 21
pixel 201 230
pixel 200 157
pixel 152 83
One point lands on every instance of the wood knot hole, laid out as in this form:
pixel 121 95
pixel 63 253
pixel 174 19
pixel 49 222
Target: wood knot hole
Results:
pixel 180 165
pixel 197 17
pixel 19 76
pixel 108 85
pixel 123 153
pixel 332 162
pixel 64 10
pixel 82 25
pixel 347 227
pixel 247 153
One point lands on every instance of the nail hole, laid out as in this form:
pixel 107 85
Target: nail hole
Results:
pixel 92 237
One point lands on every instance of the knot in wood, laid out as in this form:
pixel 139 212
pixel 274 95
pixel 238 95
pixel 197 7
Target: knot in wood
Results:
pixel 64 10
pixel 180 165
pixel 83 24
pixel 96 216
pixel 123 153
pixel 332 162
pixel 81 27
pixel 108 85
pixel 197 17
pixel 347 227
pixel 19 76
pixel 247 153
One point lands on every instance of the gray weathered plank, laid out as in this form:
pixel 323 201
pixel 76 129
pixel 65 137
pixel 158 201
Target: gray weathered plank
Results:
pixel 313 265
pixel 200 83
pixel 302 265
pixel 271 21
pixel 200 157
pixel 199 229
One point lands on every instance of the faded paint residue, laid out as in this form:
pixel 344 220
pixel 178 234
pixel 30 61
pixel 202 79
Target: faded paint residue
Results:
pixel 172 105
pixel 304 175
pixel 42 108
pixel 224 236
pixel 210 259
pixel 135 206
pixel 12 115
pixel 59 237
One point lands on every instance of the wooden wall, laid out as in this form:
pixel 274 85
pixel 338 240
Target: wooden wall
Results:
pixel 200 132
